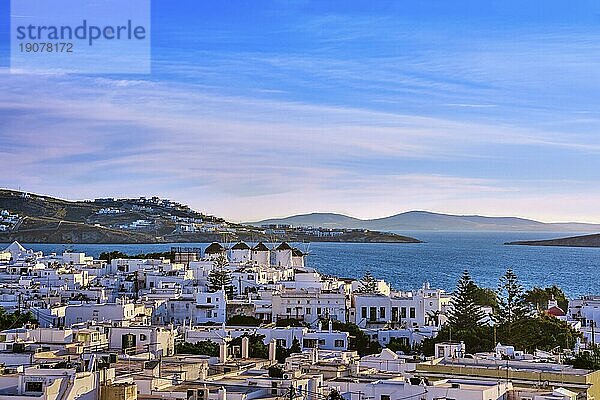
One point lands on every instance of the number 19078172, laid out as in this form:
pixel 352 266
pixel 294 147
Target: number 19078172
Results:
pixel 46 47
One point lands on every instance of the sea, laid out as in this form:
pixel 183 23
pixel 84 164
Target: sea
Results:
pixel 440 260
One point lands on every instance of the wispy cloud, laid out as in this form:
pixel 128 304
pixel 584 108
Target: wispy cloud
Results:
pixel 324 111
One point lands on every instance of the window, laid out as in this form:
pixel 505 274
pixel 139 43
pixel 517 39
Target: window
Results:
pixel 412 312
pixel 394 313
pixel 339 343
pixel 274 388
pixel 208 300
pixel 321 342
pixel 288 310
pixel 385 397
pixel 143 337
pixel 318 310
pixel 363 312
pixel 34 387
pixel 372 313
pixel 403 312
pixel 382 312
pixel 308 310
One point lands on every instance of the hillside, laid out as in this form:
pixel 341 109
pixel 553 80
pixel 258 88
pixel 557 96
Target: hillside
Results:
pixel 31 218
pixel 44 219
pixel 429 221
pixel 325 220
pixel 573 241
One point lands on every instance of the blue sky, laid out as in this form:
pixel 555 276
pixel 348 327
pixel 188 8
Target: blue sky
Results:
pixel 260 109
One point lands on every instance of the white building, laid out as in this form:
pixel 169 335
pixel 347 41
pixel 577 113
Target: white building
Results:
pixel 399 388
pixel 425 307
pixel 310 305
pixel 261 254
pixel 159 341
pixel 240 253
pixel 327 339
pixel 118 314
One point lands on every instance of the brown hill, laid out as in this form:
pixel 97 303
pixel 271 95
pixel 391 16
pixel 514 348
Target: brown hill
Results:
pixel 573 241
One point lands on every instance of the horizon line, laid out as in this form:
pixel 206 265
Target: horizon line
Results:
pixel 298 214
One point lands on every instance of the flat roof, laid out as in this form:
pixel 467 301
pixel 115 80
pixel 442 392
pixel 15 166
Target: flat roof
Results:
pixel 511 364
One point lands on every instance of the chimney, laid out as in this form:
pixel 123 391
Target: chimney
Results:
pixel 222 394
pixel 273 351
pixel 245 347
pixel 223 350
pixel 314 355
pixel 355 368
pixel 320 326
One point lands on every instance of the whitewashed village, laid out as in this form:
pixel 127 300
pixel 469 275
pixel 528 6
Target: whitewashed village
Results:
pixel 245 322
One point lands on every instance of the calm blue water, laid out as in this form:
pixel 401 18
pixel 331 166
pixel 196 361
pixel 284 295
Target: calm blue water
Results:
pixel 440 260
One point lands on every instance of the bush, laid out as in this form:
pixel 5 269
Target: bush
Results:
pixel 275 371
pixel 396 344
pixel 289 322
pixel 256 347
pixel 359 340
pixel 243 320
pixel 203 347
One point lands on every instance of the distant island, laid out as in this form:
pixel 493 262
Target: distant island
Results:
pixel 429 221
pixel 32 218
pixel 573 241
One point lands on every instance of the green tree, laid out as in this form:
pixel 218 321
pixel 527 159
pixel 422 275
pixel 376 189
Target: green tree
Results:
pixel 465 313
pixel 243 320
pixel 292 322
pixel 220 278
pixel 256 346
pixel 282 353
pixel 543 332
pixel 16 319
pixel 512 307
pixel 359 340
pixel 275 371
pixel 295 347
pixel 203 347
pixel 368 284
pixel 587 359
pixel 433 317
pixel 486 297
pixel 464 320
pixel 397 344
pixel 477 339
pixel 334 395
pixel 538 297
pixel 111 255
